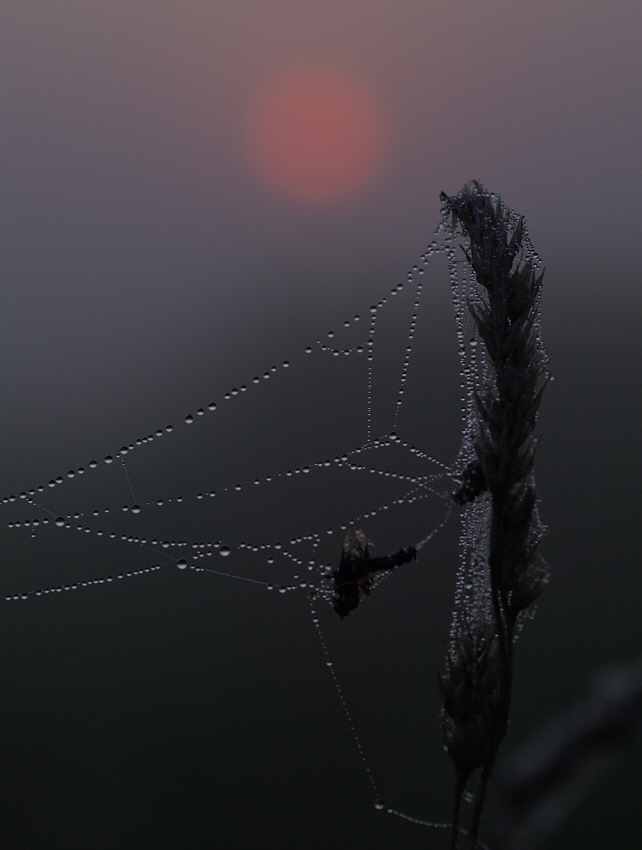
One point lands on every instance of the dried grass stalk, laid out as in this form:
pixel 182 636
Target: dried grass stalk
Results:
pixel 497 490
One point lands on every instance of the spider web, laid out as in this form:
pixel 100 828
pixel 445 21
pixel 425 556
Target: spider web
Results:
pixel 174 495
pixel 252 492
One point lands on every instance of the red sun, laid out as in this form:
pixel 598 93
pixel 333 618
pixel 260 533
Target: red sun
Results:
pixel 315 135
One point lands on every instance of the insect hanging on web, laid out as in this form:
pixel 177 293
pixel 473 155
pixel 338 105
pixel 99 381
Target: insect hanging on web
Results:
pixel 356 570
pixel 471 484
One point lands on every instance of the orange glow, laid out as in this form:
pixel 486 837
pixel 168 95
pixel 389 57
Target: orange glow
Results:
pixel 316 135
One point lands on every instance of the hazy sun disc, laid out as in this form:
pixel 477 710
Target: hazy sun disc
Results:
pixel 316 135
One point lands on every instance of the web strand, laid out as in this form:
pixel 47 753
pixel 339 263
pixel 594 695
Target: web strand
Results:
pixel 296 562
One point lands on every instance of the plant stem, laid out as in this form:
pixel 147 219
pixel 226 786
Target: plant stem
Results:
pixel 504 304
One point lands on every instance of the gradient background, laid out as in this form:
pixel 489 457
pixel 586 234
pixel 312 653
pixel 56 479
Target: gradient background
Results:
pixel 146 270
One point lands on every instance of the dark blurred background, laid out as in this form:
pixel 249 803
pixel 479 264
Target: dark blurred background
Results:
pixel 157 252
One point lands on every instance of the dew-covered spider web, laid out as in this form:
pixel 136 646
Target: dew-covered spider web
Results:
pixel 212 538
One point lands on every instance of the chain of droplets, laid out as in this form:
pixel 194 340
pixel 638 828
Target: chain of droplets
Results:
pixel 189 419
pixel 342 461
pixel 379 804
pixel 203 549
pixel 435 246
pixel 472 367
pixel 430 250
pixel 353 731
pixel 422 488
pixel 469 371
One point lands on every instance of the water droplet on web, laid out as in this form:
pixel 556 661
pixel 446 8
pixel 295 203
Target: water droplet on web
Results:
pixel 367 389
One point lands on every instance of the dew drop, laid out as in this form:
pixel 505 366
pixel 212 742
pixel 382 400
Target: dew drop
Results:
pixel 60 522
pixel 224 551
pixel 181 564
pixel 379 805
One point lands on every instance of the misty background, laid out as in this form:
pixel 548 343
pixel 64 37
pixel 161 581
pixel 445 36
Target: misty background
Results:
pixel 147 270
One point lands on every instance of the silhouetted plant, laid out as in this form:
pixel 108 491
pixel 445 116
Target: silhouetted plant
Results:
pixel 496 491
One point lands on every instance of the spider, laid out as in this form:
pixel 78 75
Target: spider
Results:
pixel 356 570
